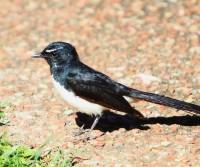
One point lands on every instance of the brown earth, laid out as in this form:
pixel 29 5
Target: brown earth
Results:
pixel 149 45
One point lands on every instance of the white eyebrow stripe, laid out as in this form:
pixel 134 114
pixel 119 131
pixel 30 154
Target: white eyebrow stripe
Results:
pixel 52 50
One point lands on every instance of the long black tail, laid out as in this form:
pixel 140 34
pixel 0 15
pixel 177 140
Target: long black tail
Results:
pixel 162 100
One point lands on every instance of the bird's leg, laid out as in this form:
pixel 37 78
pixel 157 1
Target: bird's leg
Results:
pixel 87 137
pixel 81 131
pixel 95 122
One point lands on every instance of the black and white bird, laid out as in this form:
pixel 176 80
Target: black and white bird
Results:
pixel 92 92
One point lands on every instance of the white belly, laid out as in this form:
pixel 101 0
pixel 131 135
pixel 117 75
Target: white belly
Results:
pixel 77 102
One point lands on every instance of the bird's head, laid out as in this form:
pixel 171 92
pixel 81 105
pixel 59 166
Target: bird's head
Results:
pixel 58 53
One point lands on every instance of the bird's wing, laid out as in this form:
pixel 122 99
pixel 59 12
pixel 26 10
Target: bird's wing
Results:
pixel 98 88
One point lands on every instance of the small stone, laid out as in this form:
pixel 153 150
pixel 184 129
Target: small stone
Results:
pixel 166 143
pixel 68 112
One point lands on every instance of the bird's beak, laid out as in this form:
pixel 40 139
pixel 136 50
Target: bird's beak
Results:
pixel 37 55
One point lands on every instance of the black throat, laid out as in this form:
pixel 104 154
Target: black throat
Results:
pixel 61 71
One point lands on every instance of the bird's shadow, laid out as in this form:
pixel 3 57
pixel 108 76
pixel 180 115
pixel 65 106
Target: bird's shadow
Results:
pixel 111 121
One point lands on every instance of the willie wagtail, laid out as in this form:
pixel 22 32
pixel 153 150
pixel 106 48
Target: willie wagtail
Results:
pixel 91 91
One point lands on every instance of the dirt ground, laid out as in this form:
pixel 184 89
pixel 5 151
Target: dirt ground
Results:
pixel 151 45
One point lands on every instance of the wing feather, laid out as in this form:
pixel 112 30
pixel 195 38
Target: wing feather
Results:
pixel 98 88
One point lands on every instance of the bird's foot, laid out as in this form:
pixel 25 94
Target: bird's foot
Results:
pixel 85 132
pixel 81 131
pixel 87 136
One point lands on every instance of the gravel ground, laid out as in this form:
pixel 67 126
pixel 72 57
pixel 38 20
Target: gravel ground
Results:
pixel 152 45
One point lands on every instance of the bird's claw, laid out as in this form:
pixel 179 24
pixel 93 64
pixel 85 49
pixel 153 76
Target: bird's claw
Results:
pixel 81 131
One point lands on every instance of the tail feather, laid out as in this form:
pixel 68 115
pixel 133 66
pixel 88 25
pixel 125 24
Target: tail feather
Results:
pixel 163 100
